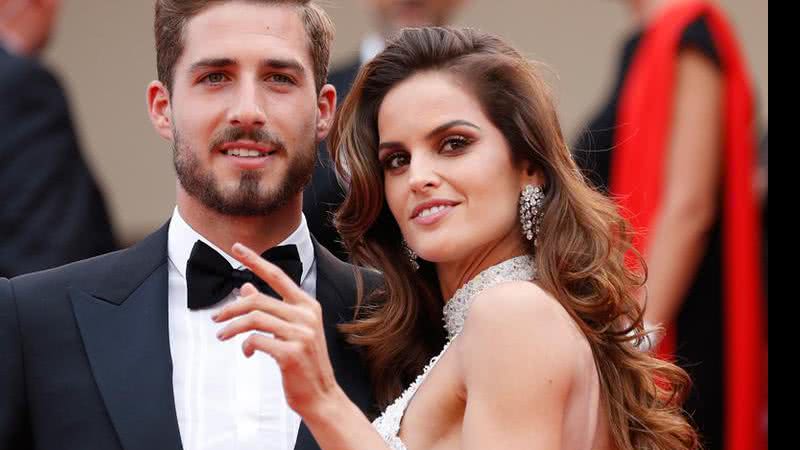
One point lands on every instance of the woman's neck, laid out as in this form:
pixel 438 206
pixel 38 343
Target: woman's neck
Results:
pixel 455 274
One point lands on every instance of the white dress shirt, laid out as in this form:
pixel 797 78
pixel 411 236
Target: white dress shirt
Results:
pixel 223 400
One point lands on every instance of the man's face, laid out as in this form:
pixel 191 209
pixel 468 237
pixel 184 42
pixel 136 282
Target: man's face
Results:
pixel 244 108
pixel 397 14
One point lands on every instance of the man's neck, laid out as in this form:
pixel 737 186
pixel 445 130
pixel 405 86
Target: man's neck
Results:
pixel 259 233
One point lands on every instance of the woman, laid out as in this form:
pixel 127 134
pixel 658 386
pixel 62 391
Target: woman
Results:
pixel 463 193
pixel 675 145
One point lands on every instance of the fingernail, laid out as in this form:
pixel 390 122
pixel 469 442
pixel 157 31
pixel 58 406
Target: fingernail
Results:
pixel 240 249
pixel 215 317
pixel 221 335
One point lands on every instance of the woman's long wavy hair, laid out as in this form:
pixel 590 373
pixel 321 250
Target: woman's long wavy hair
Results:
pixel 583 242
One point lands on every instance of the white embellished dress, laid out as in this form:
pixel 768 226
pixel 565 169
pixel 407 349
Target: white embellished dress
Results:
pixel 520 268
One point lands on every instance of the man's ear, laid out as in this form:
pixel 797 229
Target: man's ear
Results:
pixel 326 109
pixel 159 109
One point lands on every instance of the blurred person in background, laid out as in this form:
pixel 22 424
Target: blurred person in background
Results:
pixel 324 195
pixel 51 210
pixel 675 144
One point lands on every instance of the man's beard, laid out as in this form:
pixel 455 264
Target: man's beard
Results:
pixel 249 198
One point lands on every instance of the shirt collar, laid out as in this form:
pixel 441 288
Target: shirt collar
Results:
pixel 181 239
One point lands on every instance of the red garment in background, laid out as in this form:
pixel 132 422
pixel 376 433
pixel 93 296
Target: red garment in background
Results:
pixel 637 179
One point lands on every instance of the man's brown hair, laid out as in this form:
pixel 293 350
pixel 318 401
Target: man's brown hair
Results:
pixel 171 17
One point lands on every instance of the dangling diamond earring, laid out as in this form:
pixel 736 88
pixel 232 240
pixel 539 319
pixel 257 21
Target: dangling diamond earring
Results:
pixel 530 212
pixel 412 257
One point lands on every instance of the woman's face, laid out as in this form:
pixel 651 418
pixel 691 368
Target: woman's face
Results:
pixel 450 179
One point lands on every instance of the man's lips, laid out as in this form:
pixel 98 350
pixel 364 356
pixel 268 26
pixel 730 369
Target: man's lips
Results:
pixel 246 149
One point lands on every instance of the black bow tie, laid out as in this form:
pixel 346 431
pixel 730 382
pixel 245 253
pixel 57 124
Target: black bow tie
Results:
pixel 210 278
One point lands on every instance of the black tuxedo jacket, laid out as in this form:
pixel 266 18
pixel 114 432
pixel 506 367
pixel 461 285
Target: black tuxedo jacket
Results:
pixel 86 358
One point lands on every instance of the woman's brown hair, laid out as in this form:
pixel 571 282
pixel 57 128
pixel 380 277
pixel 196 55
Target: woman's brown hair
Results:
pixel 583 256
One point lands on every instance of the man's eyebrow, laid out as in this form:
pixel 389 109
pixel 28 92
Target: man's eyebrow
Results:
pixel 212 63
pixel 283 63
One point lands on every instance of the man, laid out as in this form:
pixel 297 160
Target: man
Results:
pixel 121 352
pixel 324 195
pixel 51 210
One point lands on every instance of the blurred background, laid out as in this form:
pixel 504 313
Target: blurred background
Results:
pixel 103 54
pixel 55 167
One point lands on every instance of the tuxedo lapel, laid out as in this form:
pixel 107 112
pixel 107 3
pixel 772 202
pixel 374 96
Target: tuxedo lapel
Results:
pixel 123 321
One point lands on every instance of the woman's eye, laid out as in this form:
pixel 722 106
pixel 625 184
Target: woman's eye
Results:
pixel 455 143
pixel 395 161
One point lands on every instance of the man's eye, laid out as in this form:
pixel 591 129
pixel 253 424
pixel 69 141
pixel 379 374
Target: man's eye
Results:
pixel 215 78
pixel 280 78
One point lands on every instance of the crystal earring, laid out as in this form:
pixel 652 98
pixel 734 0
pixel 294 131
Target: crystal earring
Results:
pixel 531 212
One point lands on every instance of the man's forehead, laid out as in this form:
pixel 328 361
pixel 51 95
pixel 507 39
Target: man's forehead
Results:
pixel 244 26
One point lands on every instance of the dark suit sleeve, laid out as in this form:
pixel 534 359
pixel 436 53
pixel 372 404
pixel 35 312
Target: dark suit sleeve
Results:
pixel 14 426
pixel 373 282
pixel 51 211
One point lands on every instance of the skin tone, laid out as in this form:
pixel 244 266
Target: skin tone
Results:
pixel 26 25
pixel 439 149
pixel 245 69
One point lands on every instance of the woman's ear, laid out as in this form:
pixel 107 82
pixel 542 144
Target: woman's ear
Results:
pixel 532 174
